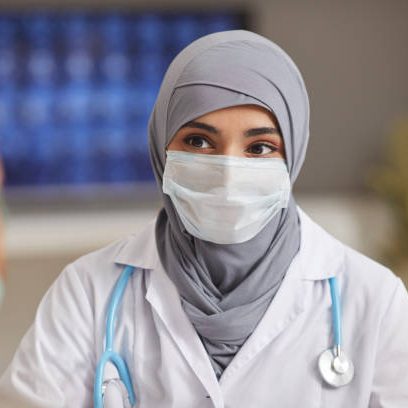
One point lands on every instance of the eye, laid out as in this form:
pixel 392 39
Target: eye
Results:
pixel 262 149
pixel 198 142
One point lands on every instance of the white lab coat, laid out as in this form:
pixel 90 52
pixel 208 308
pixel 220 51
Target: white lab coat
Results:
pixel 276 367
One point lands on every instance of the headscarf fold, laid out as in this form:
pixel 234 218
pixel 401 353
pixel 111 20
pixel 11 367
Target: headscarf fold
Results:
pixel 225 289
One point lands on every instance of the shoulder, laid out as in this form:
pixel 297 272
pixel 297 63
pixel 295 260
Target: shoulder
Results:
pixel 360 277
pixel 363 268
pixel 102 266
pixel 368 281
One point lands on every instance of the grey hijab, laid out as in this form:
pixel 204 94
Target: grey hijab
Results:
pixel 226 289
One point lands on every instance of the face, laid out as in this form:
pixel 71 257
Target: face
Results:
pixel 242 131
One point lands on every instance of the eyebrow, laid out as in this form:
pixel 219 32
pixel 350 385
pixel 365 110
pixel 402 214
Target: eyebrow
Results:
pixel 214 130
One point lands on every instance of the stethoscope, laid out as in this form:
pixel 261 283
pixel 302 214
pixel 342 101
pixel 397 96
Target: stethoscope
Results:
pixel 105 389
pixel 335 366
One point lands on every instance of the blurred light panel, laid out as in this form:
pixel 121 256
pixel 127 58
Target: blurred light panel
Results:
pixel 76 91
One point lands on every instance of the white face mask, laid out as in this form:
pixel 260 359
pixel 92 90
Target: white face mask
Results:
pixel 225 199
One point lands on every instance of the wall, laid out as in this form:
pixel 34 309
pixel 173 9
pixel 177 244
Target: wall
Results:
pixel 354 59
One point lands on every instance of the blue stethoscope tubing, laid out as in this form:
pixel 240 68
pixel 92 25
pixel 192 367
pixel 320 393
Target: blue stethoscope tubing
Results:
pixel 109 355
pixel 328 369
pixel 336 311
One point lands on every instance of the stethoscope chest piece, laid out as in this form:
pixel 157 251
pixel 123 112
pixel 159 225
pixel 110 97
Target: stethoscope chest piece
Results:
pixel 335 367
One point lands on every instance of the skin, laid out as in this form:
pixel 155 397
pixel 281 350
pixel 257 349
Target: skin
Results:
pixel 241 131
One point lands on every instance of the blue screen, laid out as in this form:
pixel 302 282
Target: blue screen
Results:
pixel 76 91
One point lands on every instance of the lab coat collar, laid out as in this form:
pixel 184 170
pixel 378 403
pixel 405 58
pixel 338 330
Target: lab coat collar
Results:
pixel 320 253
pixel 140 249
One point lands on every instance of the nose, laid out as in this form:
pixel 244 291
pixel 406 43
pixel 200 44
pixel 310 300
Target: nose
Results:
pixel 231 149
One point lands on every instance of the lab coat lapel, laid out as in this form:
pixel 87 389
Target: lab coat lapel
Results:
pixel 165 300
pixel 141 252
pixel 286 306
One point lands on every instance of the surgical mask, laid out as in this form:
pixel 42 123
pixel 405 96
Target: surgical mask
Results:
pixel 225 199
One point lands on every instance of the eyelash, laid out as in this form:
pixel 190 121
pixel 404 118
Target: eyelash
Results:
pixel 269 146
pixel 189 139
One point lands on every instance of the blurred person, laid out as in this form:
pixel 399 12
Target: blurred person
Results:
pixel 2 249
pixel 233 296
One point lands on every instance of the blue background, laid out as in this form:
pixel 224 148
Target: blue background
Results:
pixel 76 91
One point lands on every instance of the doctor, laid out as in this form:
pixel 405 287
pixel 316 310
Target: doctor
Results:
pixel 228 300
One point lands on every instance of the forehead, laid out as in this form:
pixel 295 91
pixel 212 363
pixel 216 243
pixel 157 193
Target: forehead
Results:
pixel 241 114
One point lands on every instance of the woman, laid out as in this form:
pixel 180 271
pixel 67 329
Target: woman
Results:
pixel 228 302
